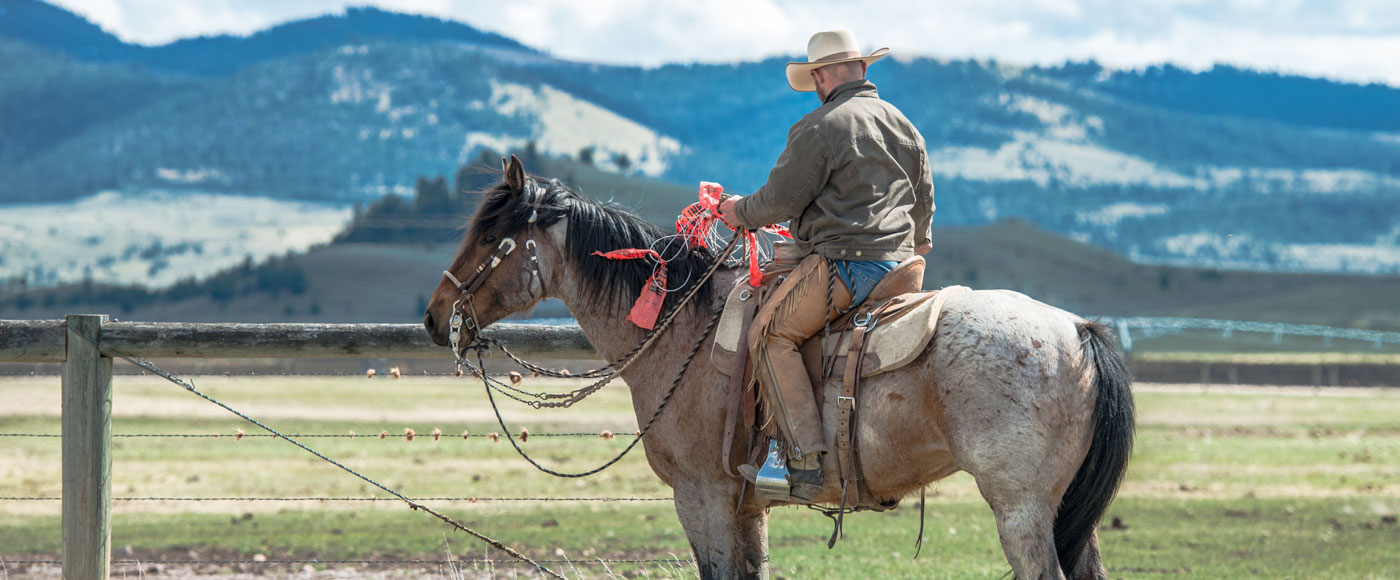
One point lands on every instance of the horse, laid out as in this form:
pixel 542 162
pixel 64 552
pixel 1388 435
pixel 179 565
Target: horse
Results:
pixel 1032 401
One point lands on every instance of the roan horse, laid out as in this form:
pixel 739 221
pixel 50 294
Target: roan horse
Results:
pixel 1032 401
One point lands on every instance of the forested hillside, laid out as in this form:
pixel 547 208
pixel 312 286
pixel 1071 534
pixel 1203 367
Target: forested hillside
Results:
pixel 1224 167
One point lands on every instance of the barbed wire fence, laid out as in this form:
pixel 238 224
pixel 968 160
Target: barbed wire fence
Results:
pixel 543 567
pixel 1127 328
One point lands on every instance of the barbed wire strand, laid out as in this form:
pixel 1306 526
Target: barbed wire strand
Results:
pixel 371 561
pixel 359 499
pixel 605 435
pixel 472 561
pixel 411 503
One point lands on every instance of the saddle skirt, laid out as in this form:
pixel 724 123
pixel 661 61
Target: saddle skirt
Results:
pixel 900 335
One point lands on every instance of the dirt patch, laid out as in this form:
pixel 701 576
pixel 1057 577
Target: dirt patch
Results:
pixel 227 565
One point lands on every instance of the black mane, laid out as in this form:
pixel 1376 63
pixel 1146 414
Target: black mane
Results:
pixel 593 226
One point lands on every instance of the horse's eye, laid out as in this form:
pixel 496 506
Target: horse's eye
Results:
pixel 488 239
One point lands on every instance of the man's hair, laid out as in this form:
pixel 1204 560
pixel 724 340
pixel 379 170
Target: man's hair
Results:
pixel 847 70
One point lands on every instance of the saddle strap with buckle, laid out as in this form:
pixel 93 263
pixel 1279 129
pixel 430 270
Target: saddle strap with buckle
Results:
pixel 738 386
pixel 846 405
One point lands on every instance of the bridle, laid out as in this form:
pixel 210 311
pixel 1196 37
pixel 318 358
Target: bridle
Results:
pixel 468 318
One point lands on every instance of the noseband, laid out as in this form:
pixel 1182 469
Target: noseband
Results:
pixel 467 318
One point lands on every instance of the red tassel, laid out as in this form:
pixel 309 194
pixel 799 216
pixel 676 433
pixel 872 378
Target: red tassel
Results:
pixel 630 254
pixel 648 305
pixel 710 195
pixel 755 275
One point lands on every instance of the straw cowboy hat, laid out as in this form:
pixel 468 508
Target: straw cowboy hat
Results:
pixel 827 47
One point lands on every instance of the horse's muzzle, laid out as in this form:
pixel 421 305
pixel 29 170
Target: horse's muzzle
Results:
pixel 439 335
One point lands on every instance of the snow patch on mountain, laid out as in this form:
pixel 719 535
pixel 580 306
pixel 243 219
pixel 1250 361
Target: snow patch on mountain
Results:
pixel 1031 157
pixel 154 238
pixel 1060 121
pixel 561 124
pixel 1110 215
pixel 1245 252
pixel 1271 180
pixel 354 85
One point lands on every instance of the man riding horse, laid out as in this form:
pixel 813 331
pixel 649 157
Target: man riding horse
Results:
pixel 855 183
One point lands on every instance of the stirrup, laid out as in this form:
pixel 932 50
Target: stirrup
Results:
pixel 770 480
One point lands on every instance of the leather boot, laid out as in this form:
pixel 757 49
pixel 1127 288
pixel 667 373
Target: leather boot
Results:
pixel 805 476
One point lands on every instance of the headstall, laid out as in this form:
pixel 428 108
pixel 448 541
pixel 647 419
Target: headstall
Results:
pixel 467 317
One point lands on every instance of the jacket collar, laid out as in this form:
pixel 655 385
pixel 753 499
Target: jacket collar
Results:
pixel 852 89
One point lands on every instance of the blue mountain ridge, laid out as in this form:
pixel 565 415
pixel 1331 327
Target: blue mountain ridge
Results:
pixel 52 27
pixel 1225 166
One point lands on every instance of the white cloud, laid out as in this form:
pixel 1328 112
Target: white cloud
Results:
pixel 1349 39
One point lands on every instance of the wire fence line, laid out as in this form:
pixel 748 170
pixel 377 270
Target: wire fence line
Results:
pixel 489 561
pixel 470 499
pixel 1150 327
pixel 386 435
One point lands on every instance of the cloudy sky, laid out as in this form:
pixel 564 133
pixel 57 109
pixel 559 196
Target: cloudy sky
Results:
pixel 1356 40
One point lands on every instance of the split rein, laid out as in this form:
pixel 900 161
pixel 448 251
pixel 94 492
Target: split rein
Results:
pixel 464 317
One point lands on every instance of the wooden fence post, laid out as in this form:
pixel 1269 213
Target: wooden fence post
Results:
pixel 87 453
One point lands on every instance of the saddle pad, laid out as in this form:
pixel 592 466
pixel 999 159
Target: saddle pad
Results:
pixel 893 343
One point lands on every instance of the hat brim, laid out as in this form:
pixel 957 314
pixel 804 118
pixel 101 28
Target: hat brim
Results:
pixel 799 73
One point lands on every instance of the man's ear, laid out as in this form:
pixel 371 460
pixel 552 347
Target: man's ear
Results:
pixel 515 174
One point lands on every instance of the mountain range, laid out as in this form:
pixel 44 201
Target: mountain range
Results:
pixel 1224 168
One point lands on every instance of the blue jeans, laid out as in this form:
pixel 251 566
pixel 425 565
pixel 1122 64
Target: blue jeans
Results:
pixel 861 277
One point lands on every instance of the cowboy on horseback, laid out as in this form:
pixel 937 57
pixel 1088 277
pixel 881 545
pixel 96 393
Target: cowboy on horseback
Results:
pixel 855 184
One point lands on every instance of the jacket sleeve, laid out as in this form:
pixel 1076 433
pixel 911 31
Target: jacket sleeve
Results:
pixel 922 211
pixel 800 175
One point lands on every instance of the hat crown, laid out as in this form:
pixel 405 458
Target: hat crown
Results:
pixel 832 43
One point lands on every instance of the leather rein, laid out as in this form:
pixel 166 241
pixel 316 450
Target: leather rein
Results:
pixel 464 308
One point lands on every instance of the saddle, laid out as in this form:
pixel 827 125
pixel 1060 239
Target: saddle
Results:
pixel 888 331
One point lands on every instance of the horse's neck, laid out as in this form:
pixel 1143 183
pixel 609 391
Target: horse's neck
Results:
pixel 613 335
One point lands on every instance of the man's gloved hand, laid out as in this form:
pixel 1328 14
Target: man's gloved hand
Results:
pixel 726 209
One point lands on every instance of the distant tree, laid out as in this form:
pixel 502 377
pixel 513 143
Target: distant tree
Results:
pixel 477 175
pixel 622 161
pixel 585 155
pixel 431 196
pixel 530 156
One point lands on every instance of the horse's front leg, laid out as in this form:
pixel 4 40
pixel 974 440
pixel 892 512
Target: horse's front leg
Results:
pixel 728 542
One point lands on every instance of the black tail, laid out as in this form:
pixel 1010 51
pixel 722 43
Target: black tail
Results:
pixel 1098 477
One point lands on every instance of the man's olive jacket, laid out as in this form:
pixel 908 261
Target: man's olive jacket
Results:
pixel 854 180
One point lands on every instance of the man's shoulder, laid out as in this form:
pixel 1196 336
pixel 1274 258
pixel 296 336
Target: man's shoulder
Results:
pixel 856 114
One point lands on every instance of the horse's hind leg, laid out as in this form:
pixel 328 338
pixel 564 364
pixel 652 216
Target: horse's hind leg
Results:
pixel 1026 527
pixel 1090 566
pixel 1023 478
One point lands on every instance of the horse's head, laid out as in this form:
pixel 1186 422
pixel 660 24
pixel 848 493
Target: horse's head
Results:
pixel 497 271
pixel 533 238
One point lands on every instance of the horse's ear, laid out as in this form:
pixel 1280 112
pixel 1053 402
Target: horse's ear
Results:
pixel 515 174
pixel 504 165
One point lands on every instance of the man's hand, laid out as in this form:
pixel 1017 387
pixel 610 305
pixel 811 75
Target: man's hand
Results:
pixel 726 209
pixel 923 248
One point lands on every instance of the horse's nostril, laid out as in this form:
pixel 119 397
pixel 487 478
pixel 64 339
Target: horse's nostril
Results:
pixel 428 322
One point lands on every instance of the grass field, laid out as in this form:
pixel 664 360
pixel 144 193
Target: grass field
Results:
pixel 1226 483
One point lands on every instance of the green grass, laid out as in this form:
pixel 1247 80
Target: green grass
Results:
pixel 1229 483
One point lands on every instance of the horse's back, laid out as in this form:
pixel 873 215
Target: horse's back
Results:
pixel 1009 372
pixel 987 330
